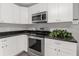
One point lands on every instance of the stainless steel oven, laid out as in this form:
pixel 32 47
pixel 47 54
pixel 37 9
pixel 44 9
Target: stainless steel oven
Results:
pixel 36 45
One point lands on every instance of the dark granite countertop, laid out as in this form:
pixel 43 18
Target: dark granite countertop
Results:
pixel 21 32
pixel 12 33
pixel 72 40
pixel 28 32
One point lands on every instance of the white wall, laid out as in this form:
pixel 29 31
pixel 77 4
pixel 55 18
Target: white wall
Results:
pixel 12 27
pixel 5 29
pixel 74 29
pixel 23 15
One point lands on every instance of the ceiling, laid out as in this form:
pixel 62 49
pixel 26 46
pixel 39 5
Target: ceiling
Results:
pixel 25 4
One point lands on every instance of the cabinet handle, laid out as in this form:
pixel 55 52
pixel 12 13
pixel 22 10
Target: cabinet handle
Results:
pixel 2 46
pixel 4 40
pixel 75 19
pixel 58 20
pixel 59 50
pixel 6 46
pixel 57 43
pixel 55 49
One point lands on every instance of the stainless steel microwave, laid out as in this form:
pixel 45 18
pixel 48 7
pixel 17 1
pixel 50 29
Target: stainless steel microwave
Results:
pixel 39 17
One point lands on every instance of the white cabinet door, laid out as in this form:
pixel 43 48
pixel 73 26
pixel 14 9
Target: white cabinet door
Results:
pixel 1 48
pixel 20 15
pixel 52 12
pixel 21 43
pixel 1 51
pixel 67 49
pixel 65 12
pixel 11 13
pixel 10 46
pixel 15 14
pixel 23 15
pixel 26 43
pixel 50 47
pixel 29 16
pixel 38 8
pixel 51 51
pixel 6 12
pixel 13 45
pixel 60 12
pixel 66 52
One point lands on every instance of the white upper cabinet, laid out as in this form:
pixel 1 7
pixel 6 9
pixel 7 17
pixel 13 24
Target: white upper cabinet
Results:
pixel 15 14
pixel 52 12
pixel 23 15
pixel 57 12
pixel 0 12
pixel 60 12
pixel 38 8
pixel 11 13
pixel 6 13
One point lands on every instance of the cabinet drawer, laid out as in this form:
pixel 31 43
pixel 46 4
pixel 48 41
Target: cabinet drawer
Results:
pixel 51 42
pixel 61 44
pixel 67 45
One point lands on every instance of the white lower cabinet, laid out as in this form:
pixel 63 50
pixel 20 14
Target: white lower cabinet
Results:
pixel 12 45
pixel 8 46
pixel 22 43
pixel 50 52
pixel 60 48
pixel 26 43
pixel 1 49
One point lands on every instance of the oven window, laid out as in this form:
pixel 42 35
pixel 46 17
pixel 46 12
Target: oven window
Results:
pixel 35 44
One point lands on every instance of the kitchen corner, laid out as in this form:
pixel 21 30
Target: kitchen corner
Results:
pixel 39 29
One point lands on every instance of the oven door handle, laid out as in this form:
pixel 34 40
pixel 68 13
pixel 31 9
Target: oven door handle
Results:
pixel 35 37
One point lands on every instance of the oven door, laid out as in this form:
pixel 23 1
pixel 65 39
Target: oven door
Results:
pixel 36 45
